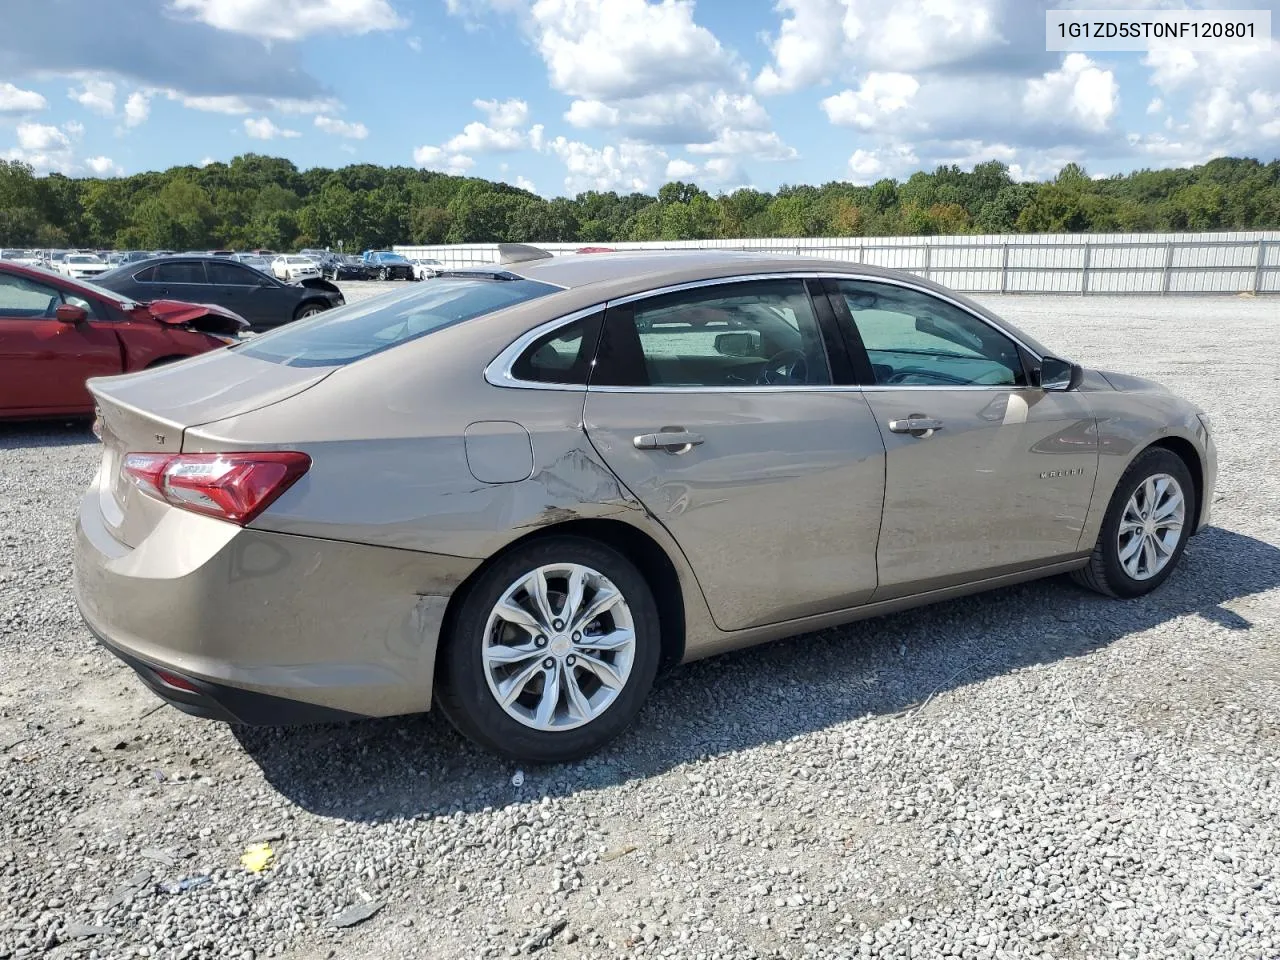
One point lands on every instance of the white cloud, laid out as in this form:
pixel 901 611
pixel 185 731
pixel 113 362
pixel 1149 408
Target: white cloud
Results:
pixel 39 136
pixel 699 115
pixel 880 95
pixel 868 166
pixel 103 167
pixel 626 166
pixel 16 100
pixel 230 105
pixel 504 114
pixel 807 49
pixel 44 147
pixel 589 114
pixel 646 71
pixel 819 40
pixel 525 184
pixel 341 128
pixel 414 44
pixel 626 48
pixel 206 161
pixel 1087 93
pixel 292 19
pixel 434 158
pixel 95 95
pixel 314 105
pixel 479 138
pixel 75 128
pixel 136 109
pixel 759 144
pixel 1155 106
pixel 681 169
pixel 263 128
pixel 501 133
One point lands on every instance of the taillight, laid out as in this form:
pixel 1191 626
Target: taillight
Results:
pixel 229 486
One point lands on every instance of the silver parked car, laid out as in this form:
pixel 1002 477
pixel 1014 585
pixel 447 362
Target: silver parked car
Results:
pixel 520 491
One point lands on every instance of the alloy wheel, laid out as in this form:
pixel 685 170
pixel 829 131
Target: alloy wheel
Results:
pixel 1151 526
pixel 559 646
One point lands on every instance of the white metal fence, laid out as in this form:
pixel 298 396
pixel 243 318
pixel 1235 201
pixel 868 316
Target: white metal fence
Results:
pixel 1111 263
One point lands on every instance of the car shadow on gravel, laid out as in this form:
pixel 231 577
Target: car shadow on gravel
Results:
pixel 381 770
pixel 67 432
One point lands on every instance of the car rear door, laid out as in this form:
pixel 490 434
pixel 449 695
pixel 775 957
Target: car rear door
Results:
pixel 984 474
pixel 45 362
pixel 717 407
pixel 177 279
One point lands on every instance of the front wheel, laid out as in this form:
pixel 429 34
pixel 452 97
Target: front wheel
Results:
pixel 308 310
pixel 1145 529
pixel 553 651
pixel 382 274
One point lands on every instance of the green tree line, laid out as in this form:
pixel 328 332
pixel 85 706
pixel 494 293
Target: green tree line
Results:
pixel 258 201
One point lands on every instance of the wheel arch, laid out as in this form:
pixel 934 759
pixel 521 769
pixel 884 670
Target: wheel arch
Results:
pixel 1185 451
pixel 633 543
pixel 310 302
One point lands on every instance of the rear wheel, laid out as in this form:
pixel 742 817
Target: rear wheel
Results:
pixel 1145 529
pixel 553 651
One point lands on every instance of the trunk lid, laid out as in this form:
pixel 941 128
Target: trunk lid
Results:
pixel 149 412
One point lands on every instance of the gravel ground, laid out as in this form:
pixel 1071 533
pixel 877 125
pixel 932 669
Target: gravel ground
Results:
pixel 1037 772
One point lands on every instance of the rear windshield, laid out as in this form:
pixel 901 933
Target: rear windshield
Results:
pixel 350 333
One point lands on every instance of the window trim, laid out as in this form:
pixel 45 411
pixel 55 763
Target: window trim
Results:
pixel 498 371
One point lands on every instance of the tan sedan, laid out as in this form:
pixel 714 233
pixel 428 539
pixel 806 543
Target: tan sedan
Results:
pixel 519 491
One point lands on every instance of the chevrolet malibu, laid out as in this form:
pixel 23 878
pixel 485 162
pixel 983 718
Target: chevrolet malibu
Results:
pixel 520 491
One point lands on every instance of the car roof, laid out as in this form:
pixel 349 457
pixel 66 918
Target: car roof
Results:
pixel 600 277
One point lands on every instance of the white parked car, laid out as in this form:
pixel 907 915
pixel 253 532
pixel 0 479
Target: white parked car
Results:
pixel 82 266
pixel 424 268
pixel 294 268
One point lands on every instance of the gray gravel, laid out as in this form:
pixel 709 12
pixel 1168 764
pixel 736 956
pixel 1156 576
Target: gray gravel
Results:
pixel 1037 772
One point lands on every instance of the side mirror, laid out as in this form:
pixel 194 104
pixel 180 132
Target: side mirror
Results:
pixel 741 343
pixel 1056 374
pixel 70 313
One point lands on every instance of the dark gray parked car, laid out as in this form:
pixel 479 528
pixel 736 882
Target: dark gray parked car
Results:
pixel 261 299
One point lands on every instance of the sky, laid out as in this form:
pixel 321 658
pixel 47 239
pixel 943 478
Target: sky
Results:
pixel 560 96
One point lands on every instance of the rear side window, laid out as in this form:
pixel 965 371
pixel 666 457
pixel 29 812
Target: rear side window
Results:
pixel 180 272
pixel 562 356
pixel 342 336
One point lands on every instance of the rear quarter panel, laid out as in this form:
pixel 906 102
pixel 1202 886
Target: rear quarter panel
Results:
pixel 389 460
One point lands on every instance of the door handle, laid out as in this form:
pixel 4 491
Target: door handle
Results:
pixel 673 441
pixel 917 425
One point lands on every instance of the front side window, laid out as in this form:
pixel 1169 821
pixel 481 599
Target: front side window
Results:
pixel 347 334
pixel 23 299
pixel 915 339
pixel 232 274
pixel 756 333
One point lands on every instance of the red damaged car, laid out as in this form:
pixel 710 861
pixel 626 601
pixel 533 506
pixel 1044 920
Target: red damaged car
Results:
pixel 55 333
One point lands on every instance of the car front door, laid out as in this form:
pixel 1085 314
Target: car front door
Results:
pixel 44 361
pixel 243 290
pixel 716 407
pixel 984 474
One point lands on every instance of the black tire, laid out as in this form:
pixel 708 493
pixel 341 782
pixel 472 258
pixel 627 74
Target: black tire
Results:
pixel 1105 573
pixel 462 688
pixel 382 273
pixel 309 310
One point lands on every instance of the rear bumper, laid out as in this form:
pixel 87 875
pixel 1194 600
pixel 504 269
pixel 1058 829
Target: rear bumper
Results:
pixel 214 701
pixel 268 627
